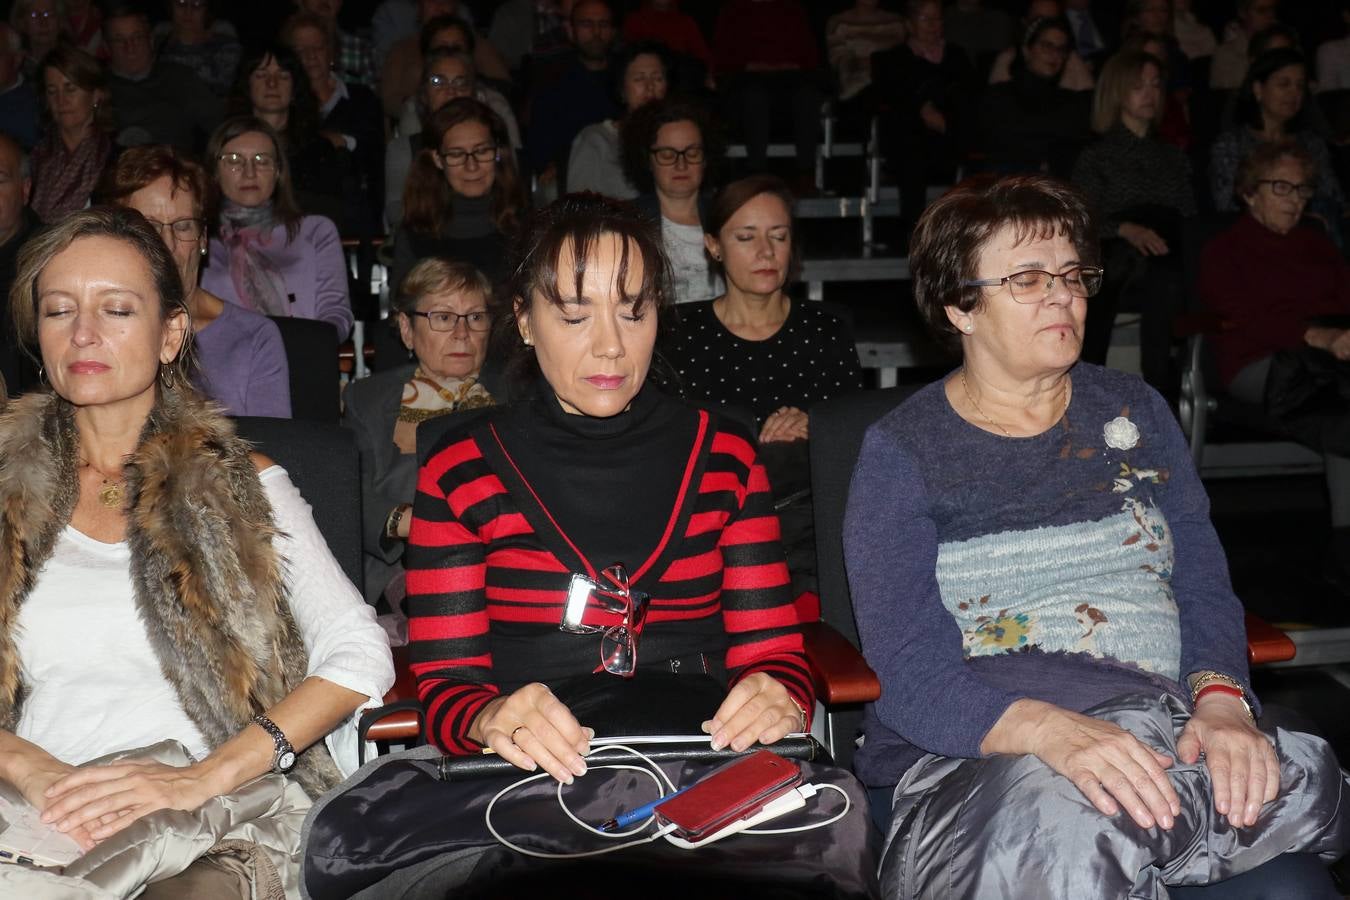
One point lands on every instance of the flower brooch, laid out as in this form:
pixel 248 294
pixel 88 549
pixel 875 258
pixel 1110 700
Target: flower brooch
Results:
pixel 1120 434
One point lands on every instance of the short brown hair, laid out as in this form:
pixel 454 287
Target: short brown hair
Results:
pixel 1119 76
pixel 1257 165
pixel 733 196
pixel 85 73
pixel 284 208
pixel 305 19
pixel 120 223
pixel 952 232
pixel 138 167
pixel 438 275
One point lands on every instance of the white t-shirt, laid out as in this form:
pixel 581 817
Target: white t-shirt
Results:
pixel 95 685
pixel 689 271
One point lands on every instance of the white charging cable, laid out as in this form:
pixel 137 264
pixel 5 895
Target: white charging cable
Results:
pixel 791 800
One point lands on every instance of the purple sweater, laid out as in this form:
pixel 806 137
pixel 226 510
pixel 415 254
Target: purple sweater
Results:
pixel 985 569
pixel 243 364
pixel 313 265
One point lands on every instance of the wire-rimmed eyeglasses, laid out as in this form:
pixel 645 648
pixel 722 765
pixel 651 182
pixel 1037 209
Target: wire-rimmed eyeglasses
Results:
pixel 1034 285
pixel 236 161
pixel 668 156
pixel 458 83
pixel 609 594
pixel 185 230
pixel 445 320
pixel 1281 188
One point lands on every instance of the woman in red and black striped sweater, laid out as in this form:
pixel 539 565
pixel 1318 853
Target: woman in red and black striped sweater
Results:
pixel 595 469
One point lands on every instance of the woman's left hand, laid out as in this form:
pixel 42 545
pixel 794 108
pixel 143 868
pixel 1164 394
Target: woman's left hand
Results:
pixel 108 798
pixel 787 423
pixel 758 708
pixel 1241 760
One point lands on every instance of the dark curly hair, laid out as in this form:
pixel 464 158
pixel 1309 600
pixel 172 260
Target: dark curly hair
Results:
pixel 637 134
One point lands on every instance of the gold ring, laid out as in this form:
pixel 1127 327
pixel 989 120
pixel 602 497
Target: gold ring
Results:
pixel 513 733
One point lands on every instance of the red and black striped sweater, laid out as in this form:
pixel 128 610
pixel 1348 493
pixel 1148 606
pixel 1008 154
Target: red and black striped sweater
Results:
pixel 488 563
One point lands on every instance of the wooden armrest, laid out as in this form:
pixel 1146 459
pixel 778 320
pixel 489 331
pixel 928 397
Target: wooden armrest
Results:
pixel 400 719
pixel 1266 643
pixel 347 357
pixel 840 673
pixel 1199 322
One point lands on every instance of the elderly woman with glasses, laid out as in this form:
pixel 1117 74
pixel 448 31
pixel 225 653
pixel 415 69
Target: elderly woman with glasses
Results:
pixel 443 319
pixel 597 484
pixel 265 254
pixel 1041 592
pixel 241 363
pixel 463 197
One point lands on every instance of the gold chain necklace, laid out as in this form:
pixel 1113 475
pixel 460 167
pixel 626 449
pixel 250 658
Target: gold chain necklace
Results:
pixel 965 385
pixel 112 493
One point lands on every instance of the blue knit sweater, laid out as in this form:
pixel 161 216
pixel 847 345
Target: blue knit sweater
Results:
pixel 1062 567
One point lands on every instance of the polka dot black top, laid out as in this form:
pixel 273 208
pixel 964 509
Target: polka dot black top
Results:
pixel 811 358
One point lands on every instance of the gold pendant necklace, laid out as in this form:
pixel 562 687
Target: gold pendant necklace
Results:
pixel 975 403
pixel 112 493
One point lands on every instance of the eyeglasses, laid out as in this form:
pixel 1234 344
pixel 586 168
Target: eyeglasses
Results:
pixel 668 156
pixel 1281 188
pixel 1034 285
pixel 612 595
pixel 183 230
pixel 457 157
pixel 459 83
pixel 43 15
pixel 445 320
pixel 236 162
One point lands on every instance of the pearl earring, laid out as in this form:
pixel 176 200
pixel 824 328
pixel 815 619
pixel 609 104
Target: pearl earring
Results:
pixel 968 329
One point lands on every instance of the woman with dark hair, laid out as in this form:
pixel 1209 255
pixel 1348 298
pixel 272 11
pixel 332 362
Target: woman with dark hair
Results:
pixel 463 198
pixel 596 161
pixel 241 360
pixel 1030 123
pixel 1140 189
pixel 272 86
pixel 1040 590
pixel 69 160
pixel 1270 107
pixel 172 625
pixel 265 254
pixel 755 347
pixel 669 147
pixel 194 38
pixel 580 317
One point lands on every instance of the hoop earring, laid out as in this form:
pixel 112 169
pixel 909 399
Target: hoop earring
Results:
pixel 42 374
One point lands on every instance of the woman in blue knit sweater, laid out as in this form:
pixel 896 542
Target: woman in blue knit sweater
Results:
pixel 1040 590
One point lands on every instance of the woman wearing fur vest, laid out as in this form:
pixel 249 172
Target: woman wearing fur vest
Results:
pixel 180 654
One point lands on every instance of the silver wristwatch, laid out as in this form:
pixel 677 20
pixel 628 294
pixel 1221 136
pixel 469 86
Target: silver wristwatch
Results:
pixel 283 760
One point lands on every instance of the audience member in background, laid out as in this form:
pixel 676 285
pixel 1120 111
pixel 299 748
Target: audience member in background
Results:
pixel 669 149
pixel 1271 277
pixel 1175 125
pixel 349 118
pixel 463 199
pixel 1031 123
pixel 84 26
pixel 526 31
pixel 754 347
pixel 78 144
pixel 926 87
pixel 391 22
pixel 1333 57
pixel 20 110
pixel 1140 190
pixel 768 70
pixel 353 62
pixel 1093 35
pixel 581 95
pixel 596 161
pixel 851 37
pixel 1270 107
pixel 983 32
pixel 156 102
pixel 1195 38
pixel 1076 75
pixel 264 254
pixel 663 21
pixel 443 319
pixel 1229 67
pixel 39 23
pixel 272 85
pixel 17 225
pixel 241 360
pixel 447 34
pixel 195 39
pixel 398 78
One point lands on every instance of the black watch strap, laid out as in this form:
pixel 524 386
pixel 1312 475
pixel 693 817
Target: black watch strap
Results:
pixel 283 760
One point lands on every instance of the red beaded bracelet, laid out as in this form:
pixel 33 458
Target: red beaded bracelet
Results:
pixel 1219 689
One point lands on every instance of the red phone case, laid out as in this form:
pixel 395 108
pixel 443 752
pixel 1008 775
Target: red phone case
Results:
pixel 736 791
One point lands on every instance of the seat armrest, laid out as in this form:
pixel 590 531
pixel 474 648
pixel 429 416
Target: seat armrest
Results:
pixel 839 672
pixel 400 718
pixel 1266 643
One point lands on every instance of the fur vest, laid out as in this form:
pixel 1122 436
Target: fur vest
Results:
pixel 208 582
